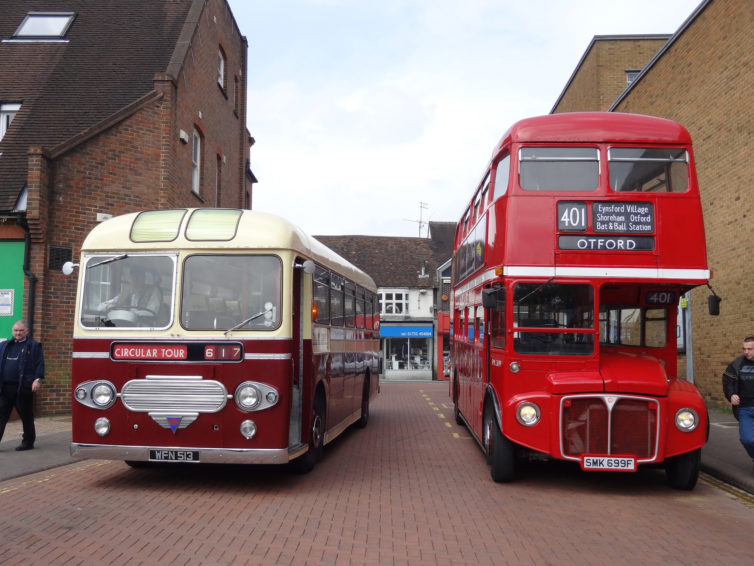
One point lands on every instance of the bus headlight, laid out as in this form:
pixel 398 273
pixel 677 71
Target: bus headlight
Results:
pixel 255 396
pixel 248 429
pixel 247 396
pixel 103 395
pixel 528 413
pixel 97 394
pixel 102 426
pixel 686 420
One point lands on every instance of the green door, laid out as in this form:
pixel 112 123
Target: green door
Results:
pixel 11 285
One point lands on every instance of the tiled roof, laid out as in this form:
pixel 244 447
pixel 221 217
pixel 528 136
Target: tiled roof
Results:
pixel 112 52
pixel 393 261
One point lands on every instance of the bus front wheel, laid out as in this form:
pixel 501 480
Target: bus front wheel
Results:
pixel 501 452
pixel 683 471
pixel 304 464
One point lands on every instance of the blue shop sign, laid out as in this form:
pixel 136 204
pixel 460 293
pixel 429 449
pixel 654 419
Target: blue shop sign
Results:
pixel 406 332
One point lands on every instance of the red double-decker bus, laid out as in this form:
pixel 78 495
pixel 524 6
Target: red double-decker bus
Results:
pixel 223 336
pixel 569 263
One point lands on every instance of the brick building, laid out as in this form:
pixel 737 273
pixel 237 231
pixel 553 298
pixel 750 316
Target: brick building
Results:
pixel 702 77
pixel 406 273
pixel 113 106
pixel 608 65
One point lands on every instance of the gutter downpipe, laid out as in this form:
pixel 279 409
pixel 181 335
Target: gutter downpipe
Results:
pixel 29 275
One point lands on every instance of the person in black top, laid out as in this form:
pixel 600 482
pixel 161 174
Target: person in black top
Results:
pixel 22 368
pixel 738 388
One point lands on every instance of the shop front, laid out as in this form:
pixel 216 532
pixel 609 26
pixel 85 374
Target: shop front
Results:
pixel 407 350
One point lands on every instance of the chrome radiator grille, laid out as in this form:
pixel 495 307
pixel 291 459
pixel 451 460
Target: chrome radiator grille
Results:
pixel 609 425
pixel 180 394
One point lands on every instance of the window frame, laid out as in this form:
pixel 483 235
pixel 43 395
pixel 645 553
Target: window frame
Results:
pixel 8 111
pixel 222 69
pixel 52 35
pixel 196 162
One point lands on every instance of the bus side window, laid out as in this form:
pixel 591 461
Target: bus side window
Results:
pixel 479 324
pixel 349 304
pixel 322 295
pixel 497 320
pixel 360 308
pixel 502 175
pixel 336 300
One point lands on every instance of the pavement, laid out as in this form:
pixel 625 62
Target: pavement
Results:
pixel 723 457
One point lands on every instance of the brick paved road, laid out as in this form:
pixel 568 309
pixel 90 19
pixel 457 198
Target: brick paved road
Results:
pixel 411 488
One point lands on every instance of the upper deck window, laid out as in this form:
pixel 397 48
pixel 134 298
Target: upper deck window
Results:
pixel 648 169
pixel 502 174
pixel 559 168
pixel 44 25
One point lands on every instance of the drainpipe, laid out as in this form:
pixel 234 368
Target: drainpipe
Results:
pixel 29 275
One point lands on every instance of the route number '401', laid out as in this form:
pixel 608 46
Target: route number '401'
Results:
pixel 572 217
pixel 660 298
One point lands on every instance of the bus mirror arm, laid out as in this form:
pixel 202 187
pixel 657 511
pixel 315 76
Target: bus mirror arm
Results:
pixel 308 266
pixel 713 302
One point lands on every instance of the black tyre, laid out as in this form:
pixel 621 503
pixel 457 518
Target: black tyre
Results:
pixel 456 412
pixel 364 419
pixel 683 471
pixel 501 452
pixel 304 464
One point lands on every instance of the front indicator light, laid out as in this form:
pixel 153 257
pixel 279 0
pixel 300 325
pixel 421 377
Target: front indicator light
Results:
pixel 248 429
pixel 528 414
pixel 686 420
pixel 102 426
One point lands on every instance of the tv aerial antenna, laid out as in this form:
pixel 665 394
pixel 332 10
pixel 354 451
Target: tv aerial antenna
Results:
pixel 422 207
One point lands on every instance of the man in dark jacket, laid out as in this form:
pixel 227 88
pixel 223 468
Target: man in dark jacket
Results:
pixel 738 388
pixel 22 368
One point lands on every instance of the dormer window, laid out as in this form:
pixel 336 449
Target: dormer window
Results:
pixel 7 112
pixel 44 25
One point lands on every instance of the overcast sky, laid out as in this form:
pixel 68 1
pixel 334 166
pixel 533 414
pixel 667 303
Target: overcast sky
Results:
pixel 363 109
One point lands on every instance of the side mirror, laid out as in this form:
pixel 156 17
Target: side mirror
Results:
pixel 308 266
pixel 489 298
pixel 68 267
pixel 713 304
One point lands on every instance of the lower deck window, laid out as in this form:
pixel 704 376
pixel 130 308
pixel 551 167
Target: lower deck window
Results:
pixel 540 308
pixel 633 326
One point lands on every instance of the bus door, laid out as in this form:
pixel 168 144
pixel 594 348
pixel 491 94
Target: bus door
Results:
pixel 299 311
pixel 493 299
